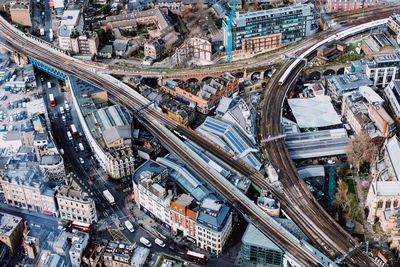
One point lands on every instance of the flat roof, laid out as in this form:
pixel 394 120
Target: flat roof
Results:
pixel 393 150
pixel 311 171
pixel 314 112
pixel 315 144
pixel 8 223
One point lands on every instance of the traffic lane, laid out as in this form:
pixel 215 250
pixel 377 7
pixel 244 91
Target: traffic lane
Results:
pixel 47 222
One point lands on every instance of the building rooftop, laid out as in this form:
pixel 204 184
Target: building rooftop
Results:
pixel 254 237
pixel 316 144
pixel 213 214
pixel 370 95
pixel 348 82
pixel 49 160
pixel 150 166
pixel 108 117
pixel 316 112
pixel 387 58
pixel 8 223
pixel 70 17
pixel 272 12
pixel 393 150
pixel 113 134
pixel 388 188
pixel 311 171
pixel 139 256
pixel 185 179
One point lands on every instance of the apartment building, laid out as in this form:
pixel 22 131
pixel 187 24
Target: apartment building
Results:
pixel 392 92
pixel 350 5
pixel 267 29
pixel 204 96
pixel 75 204
pixel 152 196
pixel 214 225
pixel 364 111
pixel 154 48
pixel 384 193
pixel 183 212
pixel 394 25
pixel 383 69
pixel 24 187
pixel 21 14
pixel 84 43
pixel 11 229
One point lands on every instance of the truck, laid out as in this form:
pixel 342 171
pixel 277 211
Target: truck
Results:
pixel 41 31
pixel 81 147
pixel 49 85
pixel 109 197
pixel 129 226
pixel 51 36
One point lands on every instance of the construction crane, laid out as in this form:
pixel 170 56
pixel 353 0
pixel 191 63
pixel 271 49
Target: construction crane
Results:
pixel 229 45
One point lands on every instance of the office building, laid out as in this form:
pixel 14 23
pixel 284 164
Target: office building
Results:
pixel 259 249
pixel 75 204
pixel 214 225
pixel 11 228
pixel 394 25
pixel 78 246
pixel 337 85
pixel 153 198
pixel 71 21
pixel 52 166
pixel 267 29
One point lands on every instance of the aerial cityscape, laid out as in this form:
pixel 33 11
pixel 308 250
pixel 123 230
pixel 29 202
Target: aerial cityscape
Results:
pixel 170 133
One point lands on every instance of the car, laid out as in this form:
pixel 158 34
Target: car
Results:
pixel 159 242
pixel 81 161
pixel 145 242
pixel 76 149
pixel 61 151
pixel 91 177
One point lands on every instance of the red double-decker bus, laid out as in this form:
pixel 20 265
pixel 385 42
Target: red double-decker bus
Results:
pixel 196 257
pixel 84 227
pixel 52 100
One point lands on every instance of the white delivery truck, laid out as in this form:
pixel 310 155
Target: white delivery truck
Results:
pixel 81 147
pixel 159 242
pixel 109 197
pixel 69 135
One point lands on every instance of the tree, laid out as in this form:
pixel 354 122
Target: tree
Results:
pixel 354 212
pixel 341 198
pixel 361 150
pixel 106 9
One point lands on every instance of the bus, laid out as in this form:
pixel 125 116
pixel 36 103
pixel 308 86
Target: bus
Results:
pixel 84 227
pixel 196 257
pixel 52 100
pixel 109 197
pixel 73 130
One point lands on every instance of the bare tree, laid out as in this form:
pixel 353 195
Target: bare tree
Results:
pixel 361 150
pixel 341 198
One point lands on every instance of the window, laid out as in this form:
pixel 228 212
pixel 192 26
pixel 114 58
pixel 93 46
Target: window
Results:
pixel 380 204
pixel 388 204
pixel 395 203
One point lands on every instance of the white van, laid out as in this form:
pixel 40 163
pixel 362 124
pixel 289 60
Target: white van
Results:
pixel 129 226
pixel 145 242
pixel 159 242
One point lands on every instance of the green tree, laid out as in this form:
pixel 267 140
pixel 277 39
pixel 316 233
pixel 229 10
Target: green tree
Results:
pixel 106 9
pixel 354 211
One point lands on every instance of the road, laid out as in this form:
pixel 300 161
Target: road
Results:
pixel 152 118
